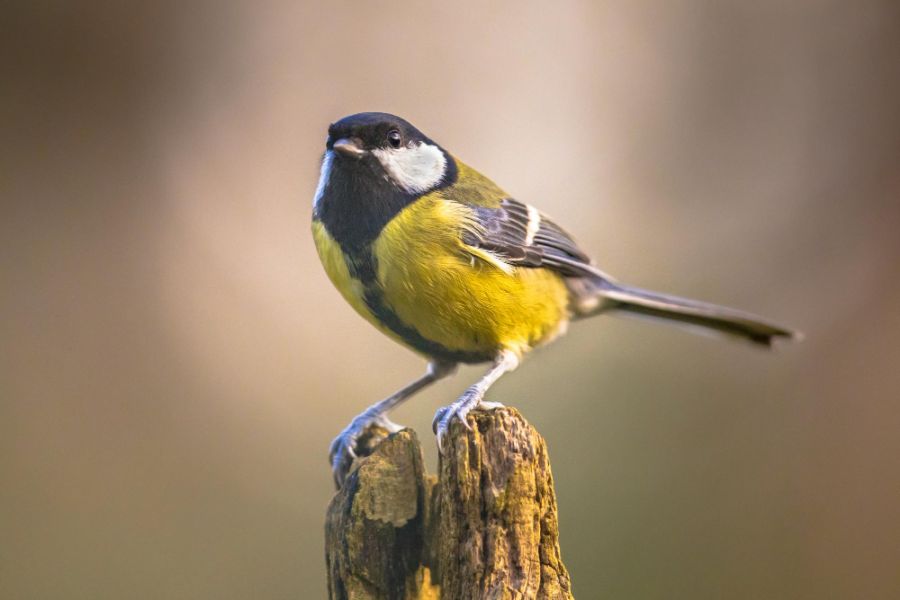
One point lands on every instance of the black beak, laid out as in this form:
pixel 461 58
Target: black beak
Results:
pixel 351 148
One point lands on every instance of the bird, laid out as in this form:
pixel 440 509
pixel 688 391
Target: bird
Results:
pixel 442 260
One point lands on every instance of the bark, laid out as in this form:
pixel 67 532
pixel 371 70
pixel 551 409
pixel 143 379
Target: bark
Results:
pixel 486 529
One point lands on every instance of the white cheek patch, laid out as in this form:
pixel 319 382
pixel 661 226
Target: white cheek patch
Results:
pixel 416 169
pixel 324 174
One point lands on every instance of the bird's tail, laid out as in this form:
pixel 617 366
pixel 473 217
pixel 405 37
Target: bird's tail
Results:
pixel 601 295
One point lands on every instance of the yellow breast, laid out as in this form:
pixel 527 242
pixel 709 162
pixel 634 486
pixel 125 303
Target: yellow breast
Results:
pixel 458 301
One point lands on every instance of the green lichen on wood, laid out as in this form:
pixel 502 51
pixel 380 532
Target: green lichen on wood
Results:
pixel 485 528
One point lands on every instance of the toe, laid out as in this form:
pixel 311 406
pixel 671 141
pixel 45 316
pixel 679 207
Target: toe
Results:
pixel 485 405
pixel 439 433
pixel 341 455
pixel 442 425
pixel 389 425
pixel 342 444
pixel 341 464
pixel 438 418
pixel 463 414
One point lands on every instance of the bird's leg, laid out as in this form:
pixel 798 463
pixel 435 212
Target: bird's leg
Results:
pixel 474 396
pixel 343 448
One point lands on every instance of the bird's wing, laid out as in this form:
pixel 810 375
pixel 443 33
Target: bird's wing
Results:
pixel 520 236
pixel 513 234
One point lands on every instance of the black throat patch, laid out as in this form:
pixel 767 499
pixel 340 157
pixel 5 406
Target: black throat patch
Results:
pixel 359 199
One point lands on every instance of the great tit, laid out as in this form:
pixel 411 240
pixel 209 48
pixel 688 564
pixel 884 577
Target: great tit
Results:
pixel 442 260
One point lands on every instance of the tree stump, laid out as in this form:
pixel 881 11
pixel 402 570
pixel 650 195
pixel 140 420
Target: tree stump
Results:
pixel 486 528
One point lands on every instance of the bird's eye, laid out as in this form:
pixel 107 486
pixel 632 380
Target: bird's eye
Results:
pixel 393 138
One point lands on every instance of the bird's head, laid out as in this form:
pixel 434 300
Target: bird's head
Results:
pixel 384 146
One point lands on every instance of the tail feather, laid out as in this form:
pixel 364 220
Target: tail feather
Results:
pixel 604 296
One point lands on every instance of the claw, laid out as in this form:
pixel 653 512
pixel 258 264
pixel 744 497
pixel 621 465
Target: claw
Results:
pixel 438 417
pixel 470 399
pixel 358 437
pixel 341 455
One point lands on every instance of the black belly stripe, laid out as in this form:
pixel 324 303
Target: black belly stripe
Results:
pixel 364 267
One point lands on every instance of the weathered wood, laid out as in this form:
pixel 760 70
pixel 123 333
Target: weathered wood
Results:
pixel 375 523
pixel 498 531
pixel 487 529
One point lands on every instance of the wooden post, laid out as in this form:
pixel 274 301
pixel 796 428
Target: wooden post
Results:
pixel 487 529
pixel 374 528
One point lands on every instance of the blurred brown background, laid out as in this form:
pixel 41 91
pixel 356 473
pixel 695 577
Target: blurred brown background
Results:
pixel 174 361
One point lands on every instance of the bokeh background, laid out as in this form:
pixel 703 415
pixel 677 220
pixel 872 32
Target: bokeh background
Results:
pixel 174 361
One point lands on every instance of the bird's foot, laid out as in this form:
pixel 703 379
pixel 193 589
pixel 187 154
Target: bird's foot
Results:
pixel 358 439
pixel 472 399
